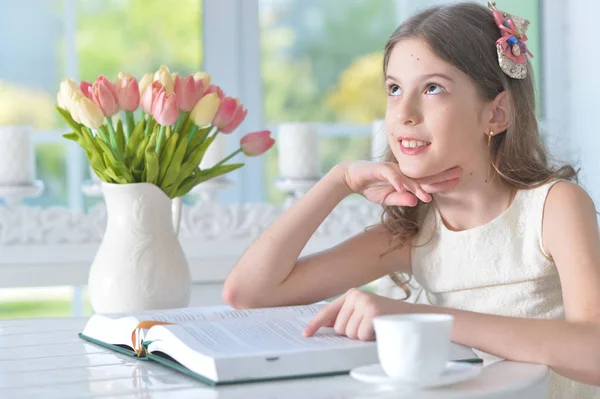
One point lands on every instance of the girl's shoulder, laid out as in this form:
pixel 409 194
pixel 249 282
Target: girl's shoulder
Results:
pixel 564 208
pixel 538 196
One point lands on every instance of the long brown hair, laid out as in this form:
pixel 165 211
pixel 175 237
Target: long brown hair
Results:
pixel 464 35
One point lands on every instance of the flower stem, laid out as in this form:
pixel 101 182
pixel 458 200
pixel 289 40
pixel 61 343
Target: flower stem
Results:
pixel 130 124
pixel 113 134
pixel 179 118
pixel 227 158
pixel 192 132
pixel 208 132
pixel 161 137
pixel 148 124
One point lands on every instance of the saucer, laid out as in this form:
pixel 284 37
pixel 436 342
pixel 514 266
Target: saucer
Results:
pixel 455 372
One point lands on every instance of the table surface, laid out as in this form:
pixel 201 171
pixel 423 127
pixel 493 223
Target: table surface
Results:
pixel 44 358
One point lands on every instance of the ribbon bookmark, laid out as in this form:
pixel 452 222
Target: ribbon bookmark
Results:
pixel 140 350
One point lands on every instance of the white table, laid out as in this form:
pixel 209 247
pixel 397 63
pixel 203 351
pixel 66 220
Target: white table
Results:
pixel 44 358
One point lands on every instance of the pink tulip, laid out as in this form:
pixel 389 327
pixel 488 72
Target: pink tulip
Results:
pixel 199 89
pixel 164 108
pixel 128 93
pixel 106 82
pixel 226 112
pixel 86 89
pixel 215 89
pixel 186 93
pixel 240 115
pixel 150 95
pixel 104 95
pixel 255 144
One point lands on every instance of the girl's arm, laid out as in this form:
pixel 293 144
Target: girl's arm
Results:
pixel 571 347
pixel 270 274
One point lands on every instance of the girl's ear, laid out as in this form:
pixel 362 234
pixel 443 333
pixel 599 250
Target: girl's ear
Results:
pixel 500 113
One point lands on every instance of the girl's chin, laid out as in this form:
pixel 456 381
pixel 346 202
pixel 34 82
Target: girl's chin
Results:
pixel 415 172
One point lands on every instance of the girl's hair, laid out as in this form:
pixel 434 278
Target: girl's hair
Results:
pixel 465 35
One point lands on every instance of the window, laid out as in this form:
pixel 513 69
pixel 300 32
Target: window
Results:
pixel 315 67
pixel 83 39
pixel 322 61
pixel 48 40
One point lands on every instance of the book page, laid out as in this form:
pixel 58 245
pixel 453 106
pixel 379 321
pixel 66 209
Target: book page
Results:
pixel 117 328
pixel 184 315
pixel 253 337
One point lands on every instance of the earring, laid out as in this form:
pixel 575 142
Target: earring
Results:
pixel 490 134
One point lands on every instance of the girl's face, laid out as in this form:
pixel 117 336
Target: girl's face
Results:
pixel 435 118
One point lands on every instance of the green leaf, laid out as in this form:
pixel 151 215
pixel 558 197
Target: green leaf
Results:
pixel 67 117
pixel 186 185
pixel 203 176
pixel 166 156
pixel 211 173
pixel 185 128
pixel 132 145
pixel 195 141
pixel 139 154
pixel 120 139
pixel 107 151
pixel 190 164
pixel 71 136
pixel 185 120
pixel 196 155
pixel 152 164
pixel 115 177
pixel 103 133
pixel 174 168
pixel 123 173
pixel 137 174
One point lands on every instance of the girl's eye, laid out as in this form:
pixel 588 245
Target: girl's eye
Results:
pixel 433 88
pixel 394 90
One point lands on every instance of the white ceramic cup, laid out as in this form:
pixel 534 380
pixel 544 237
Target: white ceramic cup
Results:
pixel 413 347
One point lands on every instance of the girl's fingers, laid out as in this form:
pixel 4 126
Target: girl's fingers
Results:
pixel 365 330
pixel 326 317
pixel 416 189
pixel 354 324
pixel 400 199
pixel 446 175
pixel 401 183
pixel 442 181
pixel 394 177
pixel 440 187
pixel 343 316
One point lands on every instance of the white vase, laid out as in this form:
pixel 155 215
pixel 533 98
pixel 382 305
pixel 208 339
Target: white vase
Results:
pixel 140 264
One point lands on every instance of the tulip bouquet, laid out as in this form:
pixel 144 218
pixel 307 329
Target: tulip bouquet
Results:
pixel 180 118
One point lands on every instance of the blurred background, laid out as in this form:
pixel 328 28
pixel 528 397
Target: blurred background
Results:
pixel 317 61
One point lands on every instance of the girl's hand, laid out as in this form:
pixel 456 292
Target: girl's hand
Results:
pixel 383 183
pixel 352 314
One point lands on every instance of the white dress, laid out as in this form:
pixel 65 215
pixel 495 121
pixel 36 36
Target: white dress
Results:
pixel 497 268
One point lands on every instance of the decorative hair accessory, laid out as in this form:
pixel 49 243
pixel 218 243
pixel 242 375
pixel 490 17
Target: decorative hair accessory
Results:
pixel 511 46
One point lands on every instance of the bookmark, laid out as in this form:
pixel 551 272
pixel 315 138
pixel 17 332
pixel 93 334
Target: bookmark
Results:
pixel 146 324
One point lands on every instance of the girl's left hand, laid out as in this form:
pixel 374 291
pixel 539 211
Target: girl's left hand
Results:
pixel 352 314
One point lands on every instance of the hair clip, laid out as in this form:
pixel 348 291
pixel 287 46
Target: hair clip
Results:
pixel 511 46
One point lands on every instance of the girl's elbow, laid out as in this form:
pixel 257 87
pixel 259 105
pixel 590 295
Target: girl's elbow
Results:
pixel 235 296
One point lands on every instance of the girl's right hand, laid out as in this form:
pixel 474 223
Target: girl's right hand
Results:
pixel 383 183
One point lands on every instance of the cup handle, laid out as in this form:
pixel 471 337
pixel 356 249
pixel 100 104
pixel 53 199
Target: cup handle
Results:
pixel 176 213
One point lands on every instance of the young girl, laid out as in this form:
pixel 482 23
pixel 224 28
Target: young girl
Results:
pixel 473 210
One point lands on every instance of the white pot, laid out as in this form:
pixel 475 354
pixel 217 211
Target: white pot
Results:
pixel 140 264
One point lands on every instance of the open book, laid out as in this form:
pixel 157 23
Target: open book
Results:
pixel 219 345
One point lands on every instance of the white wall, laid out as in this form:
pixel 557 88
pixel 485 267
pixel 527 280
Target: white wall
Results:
pixel 583 98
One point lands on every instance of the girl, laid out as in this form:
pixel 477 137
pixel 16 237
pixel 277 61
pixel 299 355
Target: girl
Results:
pixel 473 210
